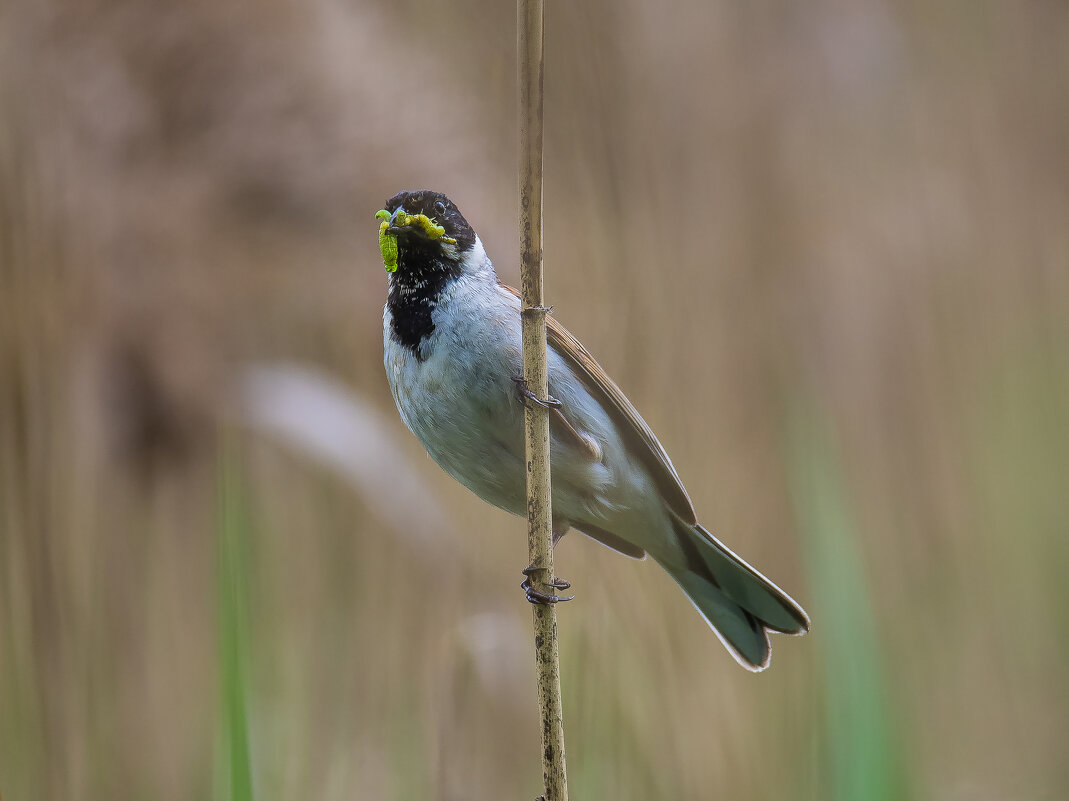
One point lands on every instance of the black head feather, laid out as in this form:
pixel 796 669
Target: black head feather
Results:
pixel 440 209
pixel 424 266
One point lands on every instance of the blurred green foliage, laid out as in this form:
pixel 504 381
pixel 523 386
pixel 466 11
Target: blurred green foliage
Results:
pixel 234 559
pixel 860 735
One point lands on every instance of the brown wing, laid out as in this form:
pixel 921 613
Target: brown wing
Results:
pixel 632 427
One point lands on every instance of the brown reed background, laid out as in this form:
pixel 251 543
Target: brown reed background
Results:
pixel 825 249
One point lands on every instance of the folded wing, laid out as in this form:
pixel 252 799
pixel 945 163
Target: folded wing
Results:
pixel 637 435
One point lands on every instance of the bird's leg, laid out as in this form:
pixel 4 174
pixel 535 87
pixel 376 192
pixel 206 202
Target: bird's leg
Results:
pixel 534 596
pixel 527 397
pixel 559 530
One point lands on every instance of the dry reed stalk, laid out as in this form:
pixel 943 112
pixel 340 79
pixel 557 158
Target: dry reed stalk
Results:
pixel 536 418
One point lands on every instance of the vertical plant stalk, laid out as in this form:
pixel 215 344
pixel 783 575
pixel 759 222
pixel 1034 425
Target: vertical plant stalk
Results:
pixel 536 418
pixel 232 535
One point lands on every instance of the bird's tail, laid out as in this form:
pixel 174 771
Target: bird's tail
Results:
pixel 739 603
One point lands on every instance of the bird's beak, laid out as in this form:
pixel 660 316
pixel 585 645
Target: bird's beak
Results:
pixel 395 228
pixel 403 223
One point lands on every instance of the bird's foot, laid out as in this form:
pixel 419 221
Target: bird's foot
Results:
pixel 538 597
pixel 527 397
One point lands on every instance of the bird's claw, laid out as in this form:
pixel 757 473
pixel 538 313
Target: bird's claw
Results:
pixel 539 597
pixel 527 397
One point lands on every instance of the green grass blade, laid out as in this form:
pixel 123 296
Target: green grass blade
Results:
pixel 233 523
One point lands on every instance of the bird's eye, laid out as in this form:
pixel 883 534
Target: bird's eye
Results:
pixel 439 207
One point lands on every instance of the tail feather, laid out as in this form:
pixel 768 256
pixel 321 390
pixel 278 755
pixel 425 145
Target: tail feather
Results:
pixel 742 633
pixel 738 602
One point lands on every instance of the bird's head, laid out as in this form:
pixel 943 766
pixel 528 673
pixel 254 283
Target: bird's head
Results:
pixel 423 232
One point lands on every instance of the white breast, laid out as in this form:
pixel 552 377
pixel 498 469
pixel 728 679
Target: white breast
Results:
pixel 461 402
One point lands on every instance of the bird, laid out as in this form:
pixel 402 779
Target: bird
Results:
pixel 453 359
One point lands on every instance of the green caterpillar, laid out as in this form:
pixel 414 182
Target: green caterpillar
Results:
pixel 388 242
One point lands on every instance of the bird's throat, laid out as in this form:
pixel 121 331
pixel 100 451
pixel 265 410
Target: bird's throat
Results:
pixel 414 293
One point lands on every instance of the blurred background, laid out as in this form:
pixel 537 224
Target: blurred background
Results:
pixel 823 247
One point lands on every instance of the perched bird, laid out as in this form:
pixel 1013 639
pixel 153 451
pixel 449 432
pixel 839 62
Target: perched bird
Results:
pixel 451 334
